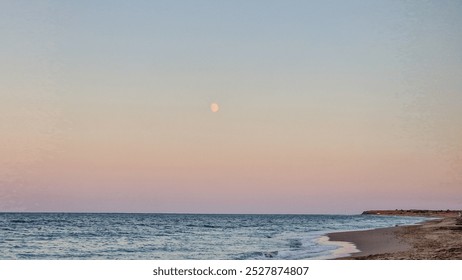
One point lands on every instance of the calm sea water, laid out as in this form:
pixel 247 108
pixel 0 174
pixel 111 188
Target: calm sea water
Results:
pixel 176 236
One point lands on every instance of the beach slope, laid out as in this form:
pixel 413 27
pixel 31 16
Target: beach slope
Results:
pixel 439 239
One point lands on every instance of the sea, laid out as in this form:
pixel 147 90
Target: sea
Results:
pixel 88 236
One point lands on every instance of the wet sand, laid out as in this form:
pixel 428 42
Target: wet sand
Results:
pixel 433 240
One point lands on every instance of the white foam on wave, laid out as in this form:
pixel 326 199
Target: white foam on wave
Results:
pixel 344 249
pixel 316 246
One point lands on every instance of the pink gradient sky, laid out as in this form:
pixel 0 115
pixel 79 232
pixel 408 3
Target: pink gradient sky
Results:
pixel 323 108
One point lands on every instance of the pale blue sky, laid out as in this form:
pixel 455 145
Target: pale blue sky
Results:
pixel 318 99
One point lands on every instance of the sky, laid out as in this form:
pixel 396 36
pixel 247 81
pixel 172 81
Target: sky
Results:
pixel 325 106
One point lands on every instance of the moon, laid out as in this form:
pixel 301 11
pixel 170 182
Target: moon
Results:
pixel 214 107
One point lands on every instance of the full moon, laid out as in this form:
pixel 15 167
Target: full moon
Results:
pixel 214 107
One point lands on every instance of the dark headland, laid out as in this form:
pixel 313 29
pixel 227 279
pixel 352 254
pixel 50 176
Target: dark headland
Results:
pixel 415 213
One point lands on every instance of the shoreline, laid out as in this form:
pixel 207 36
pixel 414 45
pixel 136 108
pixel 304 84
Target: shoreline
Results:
pixel 435 239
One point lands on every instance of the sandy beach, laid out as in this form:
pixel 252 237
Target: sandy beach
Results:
pixel 439 239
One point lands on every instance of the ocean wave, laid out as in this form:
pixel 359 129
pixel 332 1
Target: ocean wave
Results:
pixel 176 236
